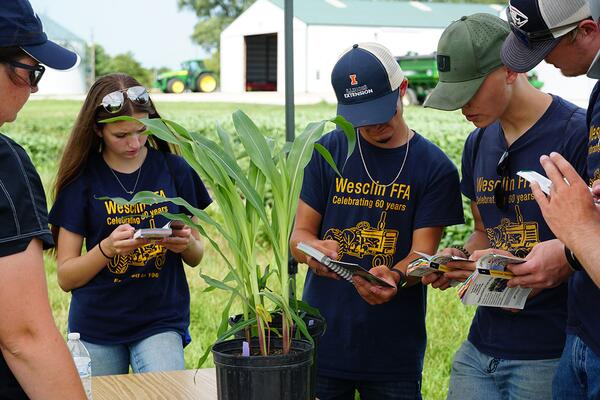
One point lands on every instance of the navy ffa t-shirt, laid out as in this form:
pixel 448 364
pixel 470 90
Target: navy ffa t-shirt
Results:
pixel 538 331
pixel 373 225
pixel 145 292
pixel 584 295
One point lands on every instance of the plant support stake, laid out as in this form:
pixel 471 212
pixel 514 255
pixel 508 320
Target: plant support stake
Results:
pixel 288 17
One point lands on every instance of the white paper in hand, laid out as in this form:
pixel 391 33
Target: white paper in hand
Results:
pixel 533 176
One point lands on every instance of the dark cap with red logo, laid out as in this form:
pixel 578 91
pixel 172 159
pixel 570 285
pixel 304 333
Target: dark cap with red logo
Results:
pixel 366 80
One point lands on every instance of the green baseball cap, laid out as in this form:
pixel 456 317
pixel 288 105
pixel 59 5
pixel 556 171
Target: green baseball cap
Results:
pixel 468 51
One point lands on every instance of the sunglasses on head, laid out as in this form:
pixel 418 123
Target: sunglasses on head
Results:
pixel 113 102
pixel 501 193
pixel 35 71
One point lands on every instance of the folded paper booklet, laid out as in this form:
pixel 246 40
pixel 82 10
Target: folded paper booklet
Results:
pixel 344 269
pixel 487 286
pixel 428 264
pixel 158 233
pixel 152 233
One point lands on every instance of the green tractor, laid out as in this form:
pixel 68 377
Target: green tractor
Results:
pixel 193 76
pixel 422 74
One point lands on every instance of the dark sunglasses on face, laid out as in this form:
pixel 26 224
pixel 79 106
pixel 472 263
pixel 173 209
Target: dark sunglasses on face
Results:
pixel 113 102
pixel 35 71
pixel 501 192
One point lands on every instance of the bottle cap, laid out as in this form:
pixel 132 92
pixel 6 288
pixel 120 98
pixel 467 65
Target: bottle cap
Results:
pixel 73 336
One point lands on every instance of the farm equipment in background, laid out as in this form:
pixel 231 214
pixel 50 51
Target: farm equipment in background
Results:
pixel 192 76
pixel 422 74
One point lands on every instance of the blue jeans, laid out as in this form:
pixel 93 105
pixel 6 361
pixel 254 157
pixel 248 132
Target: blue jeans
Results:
pixel 343 389
pixel 160 352
pixel 578 374
pixel 476 376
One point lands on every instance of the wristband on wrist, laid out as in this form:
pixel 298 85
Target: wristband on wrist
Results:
pixel 462 250
pixel 402 281
pixel 572 260
pixel 102 251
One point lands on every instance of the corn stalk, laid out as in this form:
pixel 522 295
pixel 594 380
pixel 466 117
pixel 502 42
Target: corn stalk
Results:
pixel 237 184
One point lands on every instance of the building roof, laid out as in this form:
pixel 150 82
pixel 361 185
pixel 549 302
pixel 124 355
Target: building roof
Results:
pixel 387 13
pixel 57 32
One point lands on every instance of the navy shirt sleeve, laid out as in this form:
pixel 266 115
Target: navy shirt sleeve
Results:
pixel 441 204
pixel 23 209
pixel 466 184
pixel 64 214
pixel 575 146
pixel 317 180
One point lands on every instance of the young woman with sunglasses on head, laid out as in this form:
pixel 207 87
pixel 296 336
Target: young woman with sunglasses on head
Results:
pixel 130 298
pixel 34 360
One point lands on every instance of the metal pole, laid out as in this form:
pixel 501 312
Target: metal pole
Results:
pixel 288 17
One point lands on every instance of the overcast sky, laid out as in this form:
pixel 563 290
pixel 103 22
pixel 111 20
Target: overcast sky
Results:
pixel 154 30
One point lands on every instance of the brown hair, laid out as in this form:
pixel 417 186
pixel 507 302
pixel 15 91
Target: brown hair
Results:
pixel 84 139
pixel 13 53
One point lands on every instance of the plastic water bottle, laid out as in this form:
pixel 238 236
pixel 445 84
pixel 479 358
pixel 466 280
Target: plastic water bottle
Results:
pixel 83 362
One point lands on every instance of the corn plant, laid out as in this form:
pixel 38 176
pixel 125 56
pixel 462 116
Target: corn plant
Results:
pixel 237 183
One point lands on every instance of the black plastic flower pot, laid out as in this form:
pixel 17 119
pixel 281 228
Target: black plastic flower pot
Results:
pixel 316 327
pixel 273 377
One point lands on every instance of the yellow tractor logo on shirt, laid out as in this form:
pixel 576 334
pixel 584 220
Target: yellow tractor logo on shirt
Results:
pixel 120 264
pixel 517 237
pixel 364 240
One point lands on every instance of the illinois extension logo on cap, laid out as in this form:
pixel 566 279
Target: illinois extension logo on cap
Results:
pixel 366 80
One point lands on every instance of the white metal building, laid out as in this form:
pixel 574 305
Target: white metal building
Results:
pixel 74 81
pixel 252 47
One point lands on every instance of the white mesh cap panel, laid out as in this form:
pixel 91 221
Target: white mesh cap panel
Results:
pixel 558 13
pixel 386 58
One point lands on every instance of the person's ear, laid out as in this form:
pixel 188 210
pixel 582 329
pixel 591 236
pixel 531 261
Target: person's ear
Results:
pixel 403 87
pixel 511 76
pixel 588 27
pixel 97 130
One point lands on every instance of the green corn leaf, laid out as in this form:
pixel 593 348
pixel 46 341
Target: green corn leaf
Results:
pixel 219 285
pixel 348 131
pixel 327 156
pixel 308 309
pixel 222 328
pixel 225 138
pixel 181 131
pixel 255 144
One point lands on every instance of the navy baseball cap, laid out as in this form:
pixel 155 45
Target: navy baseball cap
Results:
pixel 21 27
pixel 366 80
pixel 536 28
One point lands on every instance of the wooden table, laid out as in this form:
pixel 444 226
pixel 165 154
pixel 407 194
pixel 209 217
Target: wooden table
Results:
pixel 172 385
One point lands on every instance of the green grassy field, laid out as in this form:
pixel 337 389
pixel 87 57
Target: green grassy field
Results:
pixel 43 127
